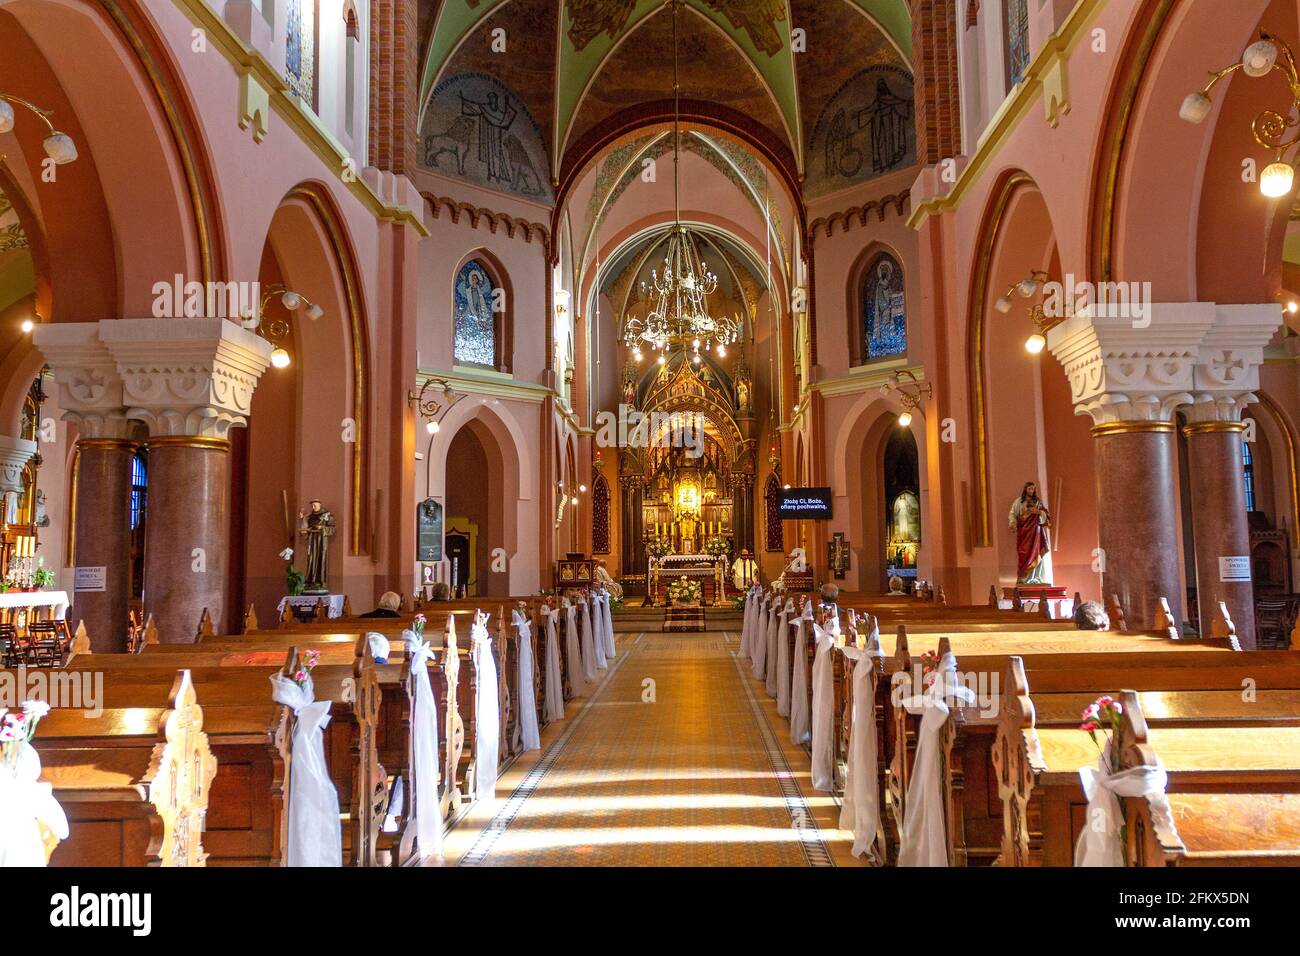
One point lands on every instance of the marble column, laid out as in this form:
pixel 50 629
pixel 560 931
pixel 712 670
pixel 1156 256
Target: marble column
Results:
pixel 103 537
pixel 1137 517
pixel 189 381
pixel 1220 526
pixel 1129 373
pixel 90 393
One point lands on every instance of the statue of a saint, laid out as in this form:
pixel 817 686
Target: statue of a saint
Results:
pixel 1031 521
pixel 318 527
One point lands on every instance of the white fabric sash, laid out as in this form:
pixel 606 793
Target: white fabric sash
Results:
pixel 924 840
pixel 589 660
pixel 487 713
pixel 598 632
pixel 783 663
pixel 747 629
pixel 526 732
pixel 611 649
pixel 424 748
pixel 379 646
pixel 823 709
pixel 800 717
pixel 573 649
pixel 315 834
pixel 775 637
pixel 554 669
pixel 1099 843
pixel 760 640
pixel 860 811
pixel 26 803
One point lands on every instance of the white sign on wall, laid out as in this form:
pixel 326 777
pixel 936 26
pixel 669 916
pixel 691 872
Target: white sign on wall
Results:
pixel 89 579
pixel 1234 567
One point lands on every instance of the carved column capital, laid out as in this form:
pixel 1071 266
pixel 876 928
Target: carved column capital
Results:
pixel 186 377
pixel 90 388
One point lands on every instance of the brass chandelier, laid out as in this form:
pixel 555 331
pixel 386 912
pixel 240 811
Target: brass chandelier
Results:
pixel 678 316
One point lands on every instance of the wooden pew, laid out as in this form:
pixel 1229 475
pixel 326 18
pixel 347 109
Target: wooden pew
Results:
pixel 1038 748
pixel 134 784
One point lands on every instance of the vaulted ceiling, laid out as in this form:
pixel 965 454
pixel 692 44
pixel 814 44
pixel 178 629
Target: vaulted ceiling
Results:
pixel 580 67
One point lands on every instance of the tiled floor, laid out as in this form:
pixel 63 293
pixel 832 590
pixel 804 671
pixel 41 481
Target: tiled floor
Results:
pixel 677 759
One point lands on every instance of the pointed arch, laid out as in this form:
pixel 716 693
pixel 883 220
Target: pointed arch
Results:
pixel 773 531
pixel 469 328
pixel 600 502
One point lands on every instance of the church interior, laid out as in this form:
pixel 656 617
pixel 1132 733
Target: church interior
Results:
pixel 602 433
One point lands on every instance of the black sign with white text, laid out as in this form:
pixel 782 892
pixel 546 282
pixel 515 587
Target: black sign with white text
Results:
pixel 805 503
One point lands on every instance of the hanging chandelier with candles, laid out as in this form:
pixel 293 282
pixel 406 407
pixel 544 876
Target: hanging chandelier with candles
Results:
pixel 678 314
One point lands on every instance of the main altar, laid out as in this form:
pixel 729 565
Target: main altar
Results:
pixel 688 489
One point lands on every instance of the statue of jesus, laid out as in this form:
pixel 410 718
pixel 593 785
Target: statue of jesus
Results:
pixel 1031 521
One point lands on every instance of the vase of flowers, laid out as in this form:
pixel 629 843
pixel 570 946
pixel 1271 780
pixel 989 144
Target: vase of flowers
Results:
pixel 685 591
pixel 43 577
pixel 658 547
pixel 718 546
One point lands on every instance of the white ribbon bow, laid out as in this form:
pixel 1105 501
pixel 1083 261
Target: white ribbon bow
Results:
pixel 25 804
pixel 315 836
pixel 1099 843
pixel 379 646
pixel 424 746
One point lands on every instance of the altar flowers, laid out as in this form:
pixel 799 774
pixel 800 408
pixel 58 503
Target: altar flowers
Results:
pixel 427 808
pixel 27 806
pixel 314 835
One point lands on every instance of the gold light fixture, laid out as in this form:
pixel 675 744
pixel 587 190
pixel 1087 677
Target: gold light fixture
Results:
pixel 1270 128
pixel 277 329
pixel 58 146
pixel 678 313
pixel 1029 287
pixel 433 401
pixel 912 393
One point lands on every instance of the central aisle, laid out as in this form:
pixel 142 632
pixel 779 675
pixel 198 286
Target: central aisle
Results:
pixel 676 760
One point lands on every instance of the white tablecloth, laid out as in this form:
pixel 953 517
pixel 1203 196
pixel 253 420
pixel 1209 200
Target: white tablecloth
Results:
pixel 333 603
pixel 56 600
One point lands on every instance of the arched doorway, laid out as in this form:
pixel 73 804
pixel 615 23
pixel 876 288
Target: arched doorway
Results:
pixel 901 521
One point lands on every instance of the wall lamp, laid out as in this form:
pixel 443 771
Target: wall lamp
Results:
pixel 912 392
pixel 433 401
pixel 1270 127
pixel 1028 287
pixel 275 330
pixel 58 146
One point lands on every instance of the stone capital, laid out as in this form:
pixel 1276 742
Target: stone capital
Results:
pixel 1197 354
pixel 15 453
pixel 186 377
pixel 90 389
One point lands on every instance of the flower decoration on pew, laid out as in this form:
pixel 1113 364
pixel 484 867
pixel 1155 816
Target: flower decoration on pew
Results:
pixel 309 661
pixel 417 625
pixel 17 728
pixel 1102 716
pixel 930 667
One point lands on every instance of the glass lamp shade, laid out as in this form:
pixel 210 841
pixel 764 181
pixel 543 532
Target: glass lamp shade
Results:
pixel 314 312
pixel 1276 179
pixel 6 116
pixel 1003 304
pixel 1027 287
pixel 279 358
pixel 905 419
pixel 28 325
pixel 60 148
pixel 1195 107
pixel 291 300
pixel 1259 58
pixel 1035 343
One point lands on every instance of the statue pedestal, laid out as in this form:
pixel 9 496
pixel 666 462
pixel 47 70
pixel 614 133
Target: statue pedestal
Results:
pixel 1053 594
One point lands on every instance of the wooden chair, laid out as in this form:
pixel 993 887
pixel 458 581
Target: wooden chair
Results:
pixel 1273 622
pixel 11 648
pixel 45 644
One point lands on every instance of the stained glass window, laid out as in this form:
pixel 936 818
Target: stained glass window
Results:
pixel 1248 475
pixel 771 501
pixel 476 333
pixel 1017 30
pixel 139 490
pixel 600 516
pixel 884 316
pixel 299 52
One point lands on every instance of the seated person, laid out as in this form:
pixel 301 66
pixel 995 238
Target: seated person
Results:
pixel 389 602
pixel 830 593
pixel 1091 616
pixel 440 591
pixel 896 586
